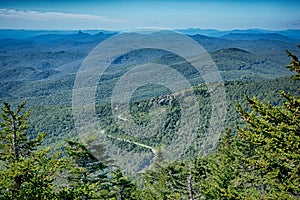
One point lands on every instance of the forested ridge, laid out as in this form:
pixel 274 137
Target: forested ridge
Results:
pixel 57 120
pixel 257 158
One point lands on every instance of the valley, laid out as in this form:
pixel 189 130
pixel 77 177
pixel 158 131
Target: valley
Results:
pixel 41 69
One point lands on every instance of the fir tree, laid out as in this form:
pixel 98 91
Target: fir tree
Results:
pixel 26 172
pixel 86 174
pixel 123 188
pixel 271 137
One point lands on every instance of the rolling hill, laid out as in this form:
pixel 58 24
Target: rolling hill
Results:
pixel 40 67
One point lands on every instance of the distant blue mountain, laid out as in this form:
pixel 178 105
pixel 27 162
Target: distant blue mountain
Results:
pixel 56 37
pixel 257 36
pixel 217 33
pixel 291 33
pixel 206 32
pixel 25 34
pixel 294 34
pixel 73 39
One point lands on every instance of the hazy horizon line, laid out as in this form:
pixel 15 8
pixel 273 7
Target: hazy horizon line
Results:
pixel 137 28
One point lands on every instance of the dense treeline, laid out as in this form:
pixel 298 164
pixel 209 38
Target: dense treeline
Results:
pixel 29 172
pixel 161 134
pixel 259 159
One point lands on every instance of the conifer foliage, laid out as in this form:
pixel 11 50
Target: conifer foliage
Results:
pixel 30 172
pixel 26 171
pixel 271 135
pixel 86 175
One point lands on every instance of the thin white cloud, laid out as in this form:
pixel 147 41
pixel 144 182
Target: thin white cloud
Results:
pixel 44 16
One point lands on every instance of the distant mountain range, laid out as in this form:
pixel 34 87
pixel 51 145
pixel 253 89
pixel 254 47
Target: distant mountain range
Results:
pixel 51 54
pixel 79 36
pixel 257 36
pixel 247 34
pixel 25 34
pixel 290 33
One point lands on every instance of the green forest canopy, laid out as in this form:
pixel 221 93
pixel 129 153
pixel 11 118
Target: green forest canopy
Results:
pixel 260 161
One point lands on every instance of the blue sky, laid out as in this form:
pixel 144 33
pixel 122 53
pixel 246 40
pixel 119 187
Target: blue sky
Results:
pixel 121 14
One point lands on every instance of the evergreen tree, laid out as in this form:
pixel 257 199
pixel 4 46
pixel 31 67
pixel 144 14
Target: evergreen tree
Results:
pixel 159 159
pixel 173 181
pixel 26 171
pixel 294 65
pixel 271 137
pixel 123 188
pixel 87 174
pixel 215 174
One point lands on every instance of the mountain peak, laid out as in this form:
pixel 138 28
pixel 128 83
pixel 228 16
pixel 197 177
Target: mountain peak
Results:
pixel 256 36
